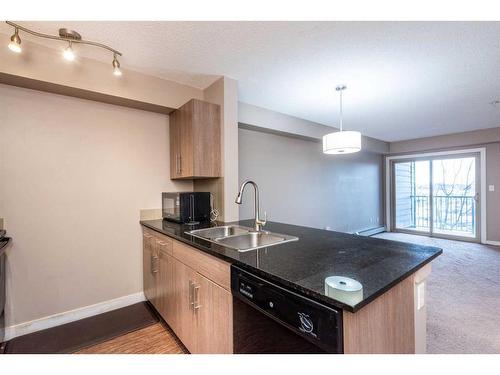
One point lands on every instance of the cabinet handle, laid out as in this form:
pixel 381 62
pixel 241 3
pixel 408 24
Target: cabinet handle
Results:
pixel 154 264
pixel 147 235
pixel 180 163
pixel 196 303
pixel 162 243
pixel 191 294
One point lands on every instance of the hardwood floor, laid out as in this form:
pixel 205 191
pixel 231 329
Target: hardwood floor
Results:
pixel 84 333
pixel 155 339
pixel 134 329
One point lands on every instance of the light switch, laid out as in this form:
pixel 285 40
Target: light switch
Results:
pixel 420 295
pixel 491 187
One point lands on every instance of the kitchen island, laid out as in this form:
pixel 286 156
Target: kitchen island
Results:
pixel 389 315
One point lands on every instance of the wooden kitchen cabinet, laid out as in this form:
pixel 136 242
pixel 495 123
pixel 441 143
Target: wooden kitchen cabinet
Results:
pixel 184 324
pixel 164 286
pixel 149 264
pixel 214 322
pixel 195 136
pixel 157 272
pixel 203 313
pixel 190 290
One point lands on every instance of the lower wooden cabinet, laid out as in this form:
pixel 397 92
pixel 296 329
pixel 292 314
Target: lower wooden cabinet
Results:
pixel 164 285
pixel 183 324
pixel 149 263
pixel 214 317
pixel 198 309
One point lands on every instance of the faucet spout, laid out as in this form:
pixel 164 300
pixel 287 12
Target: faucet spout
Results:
pixel 259 223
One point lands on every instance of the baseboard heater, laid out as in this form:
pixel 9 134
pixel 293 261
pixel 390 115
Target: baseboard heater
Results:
pixel 371 231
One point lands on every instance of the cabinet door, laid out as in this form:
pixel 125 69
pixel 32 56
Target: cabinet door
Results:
pixel 184 324
pixel 213 308
pixel 148 267
pixel 175 142
pixel 186 147
pixel 165 288
pixel 206 139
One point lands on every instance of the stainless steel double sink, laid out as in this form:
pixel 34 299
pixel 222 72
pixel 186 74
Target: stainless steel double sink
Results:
pixel 241 238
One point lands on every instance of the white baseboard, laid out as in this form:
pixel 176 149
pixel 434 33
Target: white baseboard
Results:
pixel 494 243
pixel 71 316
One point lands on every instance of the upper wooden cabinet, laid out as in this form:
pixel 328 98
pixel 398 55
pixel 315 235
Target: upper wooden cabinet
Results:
pixel 195 141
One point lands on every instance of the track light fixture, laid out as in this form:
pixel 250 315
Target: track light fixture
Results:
pixel 65 35
pixel 68 53
pixel 116 67
pixel 15 42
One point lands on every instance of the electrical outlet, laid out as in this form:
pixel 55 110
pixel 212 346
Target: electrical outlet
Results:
pixel 491 188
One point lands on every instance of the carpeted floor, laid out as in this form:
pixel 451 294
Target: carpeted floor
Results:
pixel 463 296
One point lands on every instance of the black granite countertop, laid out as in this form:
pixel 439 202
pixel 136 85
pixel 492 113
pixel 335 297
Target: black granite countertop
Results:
pixel 303 265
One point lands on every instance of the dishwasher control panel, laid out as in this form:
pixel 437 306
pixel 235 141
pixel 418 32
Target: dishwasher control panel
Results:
pixel 320 324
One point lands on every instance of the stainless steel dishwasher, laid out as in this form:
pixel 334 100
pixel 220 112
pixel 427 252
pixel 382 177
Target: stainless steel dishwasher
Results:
pixel 271 319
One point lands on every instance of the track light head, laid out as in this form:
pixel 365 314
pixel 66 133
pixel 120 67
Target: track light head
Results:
pixel 116 67
pixel 15 42
pixel 68 53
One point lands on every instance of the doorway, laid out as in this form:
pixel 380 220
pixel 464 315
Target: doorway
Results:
pixel 437 196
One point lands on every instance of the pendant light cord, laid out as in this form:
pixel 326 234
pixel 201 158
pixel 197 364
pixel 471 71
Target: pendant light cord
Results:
pixel 341 127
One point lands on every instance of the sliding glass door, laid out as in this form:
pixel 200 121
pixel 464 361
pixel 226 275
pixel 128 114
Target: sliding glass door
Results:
pixel 412 193
pixel 437 196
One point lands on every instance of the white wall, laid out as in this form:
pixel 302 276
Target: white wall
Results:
pixel 276 122
pixel 73 176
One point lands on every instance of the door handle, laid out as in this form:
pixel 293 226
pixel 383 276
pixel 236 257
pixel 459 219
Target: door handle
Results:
pixel 154 264
pixel 191 294
pixel 196 303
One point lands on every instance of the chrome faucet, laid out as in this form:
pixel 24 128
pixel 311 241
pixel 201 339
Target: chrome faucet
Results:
pixel 258 222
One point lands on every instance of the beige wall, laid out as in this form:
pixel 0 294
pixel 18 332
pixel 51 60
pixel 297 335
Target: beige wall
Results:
pixel 488 138
pixel 73 176
pixel 46 65
pixel 224 92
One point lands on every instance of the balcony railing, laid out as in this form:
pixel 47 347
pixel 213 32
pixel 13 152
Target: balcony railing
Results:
pixel 451 213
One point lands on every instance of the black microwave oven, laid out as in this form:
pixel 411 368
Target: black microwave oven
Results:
pixel 186 207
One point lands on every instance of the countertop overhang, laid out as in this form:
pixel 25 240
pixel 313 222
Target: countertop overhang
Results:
pixel 303 265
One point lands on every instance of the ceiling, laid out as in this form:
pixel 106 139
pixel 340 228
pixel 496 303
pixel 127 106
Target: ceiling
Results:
pixel 404 79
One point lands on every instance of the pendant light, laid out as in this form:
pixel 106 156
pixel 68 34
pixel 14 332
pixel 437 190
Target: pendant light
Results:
pixel 341 142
